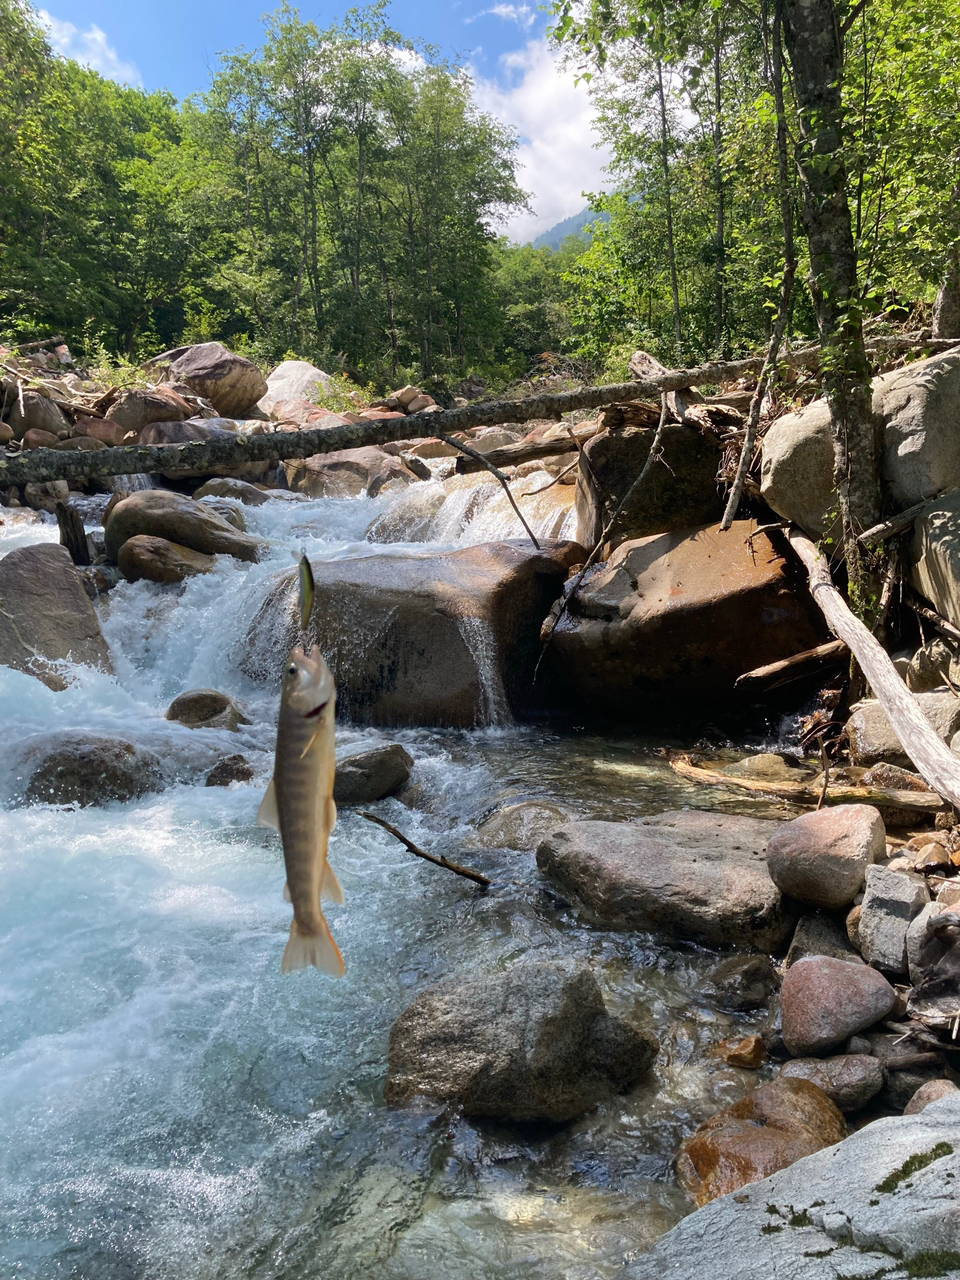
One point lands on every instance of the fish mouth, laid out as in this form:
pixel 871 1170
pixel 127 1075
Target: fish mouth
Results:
pixel 312 715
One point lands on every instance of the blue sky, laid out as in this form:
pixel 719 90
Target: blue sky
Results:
pixel 174 46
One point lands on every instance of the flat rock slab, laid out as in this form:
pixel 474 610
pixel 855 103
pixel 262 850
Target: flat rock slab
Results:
pixel 533 1042
pixel 686 874
pixel 825 1000
pixel 886 1197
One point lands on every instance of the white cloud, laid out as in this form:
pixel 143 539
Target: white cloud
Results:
pixel 522 14
pixel 557 159
pixel 90 48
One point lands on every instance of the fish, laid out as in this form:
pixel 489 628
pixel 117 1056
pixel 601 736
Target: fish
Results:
pixel 299 804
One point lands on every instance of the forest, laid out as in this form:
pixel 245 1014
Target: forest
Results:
pixel 337 195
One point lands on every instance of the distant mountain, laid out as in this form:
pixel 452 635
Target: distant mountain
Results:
pixel 573 226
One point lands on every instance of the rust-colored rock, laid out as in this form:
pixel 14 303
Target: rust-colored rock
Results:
pixel 769 1129
pixel 749 1052
pixel 37 438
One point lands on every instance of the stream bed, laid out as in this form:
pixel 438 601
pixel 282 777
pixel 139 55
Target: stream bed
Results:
pixel 172 1108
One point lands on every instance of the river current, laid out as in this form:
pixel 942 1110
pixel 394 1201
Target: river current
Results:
pixel 172 1108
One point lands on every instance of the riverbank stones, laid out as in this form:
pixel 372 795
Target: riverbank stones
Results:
pixel 684 874
pixel 775 1125
pixel 872 739
pixel 741 983
pixel 850 1080
pixel 891 900
pixel 532 1042
pixel 825 1000
pixel 821 858
pixel 159 513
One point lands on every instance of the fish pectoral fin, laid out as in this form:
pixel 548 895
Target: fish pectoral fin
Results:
pixel 286 892
pixel 310 743
pixel 267 815
pixel 331 813
pixel 318 949
pixel 330 888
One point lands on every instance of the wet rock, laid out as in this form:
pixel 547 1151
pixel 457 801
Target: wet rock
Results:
pixel 821 858
pixel 691 875
pixel 932 1091
pixel 522 825
pixel 232 384
pixel 228 512
pixel 137 407
pixel 893 777
pixel 159 560
pixel 411 519
pixel 370 773
pixel 37 413
pixel 872 738
pixel 741 983
pixel 749 1053
pixel 207 709
pixel 162 514
pixel 533 1042
pixel 671 620
pixel 771 1128
pixel 347 473
pixel 679 495
pixel 227 487
pixel 46 616
pixel 883 1195
pixel 435 638
pixel 44 495
pixel 85 769
pixel 98 579
pixel 849 1081
pixel 825 1000
pixel 230 769
pixel 771 1030
pixel 916 407
pixel 890 901
pixel 820 935
pixel 771 766
pixel 293 380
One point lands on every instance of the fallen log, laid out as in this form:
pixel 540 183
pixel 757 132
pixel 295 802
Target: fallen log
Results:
pixel 934 761
pixel 511 455
pixel 809 657
pixel 806 793
pixel 898 523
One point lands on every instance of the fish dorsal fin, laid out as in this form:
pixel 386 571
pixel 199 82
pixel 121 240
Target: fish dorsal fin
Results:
pixel 267 815
pixel 331 886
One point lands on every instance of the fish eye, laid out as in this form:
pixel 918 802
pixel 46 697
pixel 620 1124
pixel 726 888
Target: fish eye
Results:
pixel 291 670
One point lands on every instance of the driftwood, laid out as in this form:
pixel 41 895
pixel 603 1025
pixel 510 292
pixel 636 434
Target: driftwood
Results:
pixel 809 657
pixel 899 523
pixel 935 762
pixel 941 624
pixel 73 536
pixel 476 876
pixel 479 460
pixel 805 793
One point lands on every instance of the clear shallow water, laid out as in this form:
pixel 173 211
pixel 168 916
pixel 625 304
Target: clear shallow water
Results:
pixel 172 1107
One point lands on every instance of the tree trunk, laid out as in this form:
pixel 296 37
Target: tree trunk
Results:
pixel 815 45
pixel 668 203
pixel 946 309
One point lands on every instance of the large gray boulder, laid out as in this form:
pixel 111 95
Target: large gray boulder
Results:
pixel 36 413
pixel 84 769
pixel 46 616
pixel 533 1042
pixel 449 638
pixel 161 514
pixel 934 560
pixel 686 874
pixel 347 473
pixel 918 408
pixel 293 380
pixel 232 384
pixel 884 1202
pixel 873 740
pixel 365 774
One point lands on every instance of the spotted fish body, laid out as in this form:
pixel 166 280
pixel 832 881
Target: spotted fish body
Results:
pixel 299 804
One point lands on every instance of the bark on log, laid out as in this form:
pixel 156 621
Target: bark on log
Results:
pixel 935 762
pixel 899 523
pixel 809 657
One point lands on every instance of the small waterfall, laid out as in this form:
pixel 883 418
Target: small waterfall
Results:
pixel 482 643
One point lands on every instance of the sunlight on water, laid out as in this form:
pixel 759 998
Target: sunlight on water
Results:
pixel 172 1107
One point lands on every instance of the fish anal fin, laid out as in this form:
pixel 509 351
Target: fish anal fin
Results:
pixel 318 949
pixel 331 886
pixel 331 813
pixel 267 814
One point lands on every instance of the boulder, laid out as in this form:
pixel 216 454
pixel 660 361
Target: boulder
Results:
pixel 207 709
pixel 771 1128
pixel 38 413
pixel 891 899
pixel 521 825
pixel 187 431
pixel 902 1081
pixel 106 432
pixel 533 1042
pixel 821 858
pixel 670 620
pixel 873 740
pixel 677 494
pixel 686 874
pixel 232 384
pixel 347 473
pixel 37 439
pixel 162 514
pixel 228 512
pixel 84 769
pixel 849 1081
pixel 225 487
pixel 487 439
pixel 43 495
pixel 137 407
pixel 932 1091
pixel 934 666
pixel 820 935
pixel 293 380
pixel 885 1202
pixel 230 769
pixel 370 773
pixel 917 408
pixel 445 638
pixel 825 1000
pixel 741 983
pixel 934 558
pixel 46 616
pixel 144 557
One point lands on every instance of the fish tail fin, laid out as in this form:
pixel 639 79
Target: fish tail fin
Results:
pixel 318 949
